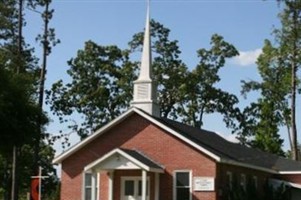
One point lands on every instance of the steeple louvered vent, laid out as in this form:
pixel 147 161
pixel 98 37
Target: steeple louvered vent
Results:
pixel 145 90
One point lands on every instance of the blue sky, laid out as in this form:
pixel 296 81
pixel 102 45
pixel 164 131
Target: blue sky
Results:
pixel 244 23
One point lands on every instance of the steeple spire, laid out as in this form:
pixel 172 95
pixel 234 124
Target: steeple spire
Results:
pixel 145 90
pixel 146 59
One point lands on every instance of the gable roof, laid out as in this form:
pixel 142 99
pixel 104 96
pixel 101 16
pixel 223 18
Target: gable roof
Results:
pixel 209 143
pixel 137 158
pixel 142 158
pixel 118 120
pixel 229 151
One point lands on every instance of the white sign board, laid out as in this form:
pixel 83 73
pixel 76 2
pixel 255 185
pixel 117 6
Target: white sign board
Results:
pixel 203 184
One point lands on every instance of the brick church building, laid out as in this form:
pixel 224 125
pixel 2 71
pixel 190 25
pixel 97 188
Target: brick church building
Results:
pixel 141 156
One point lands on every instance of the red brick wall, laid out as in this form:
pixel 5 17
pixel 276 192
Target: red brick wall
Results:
pixel 294 178
pixel 138 133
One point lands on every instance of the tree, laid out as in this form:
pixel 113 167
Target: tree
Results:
pixel 201 96
pixel 193 94
pixel 289 37
pixel 278 67
pixel 98 91
pixel 271 109
pixel 101 87
pixel 20 114
pixel 47 40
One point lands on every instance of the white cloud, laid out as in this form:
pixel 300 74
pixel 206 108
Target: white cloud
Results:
pixel 229 137
pixel 246 58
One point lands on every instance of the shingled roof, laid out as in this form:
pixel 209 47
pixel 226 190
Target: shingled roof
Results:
pixel 208 142
pixel 142 158
pixel 232 151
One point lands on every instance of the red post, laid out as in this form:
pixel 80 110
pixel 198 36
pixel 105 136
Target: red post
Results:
pixel 35 189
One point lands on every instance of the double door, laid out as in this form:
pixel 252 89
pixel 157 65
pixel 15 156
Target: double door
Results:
pixel 131 188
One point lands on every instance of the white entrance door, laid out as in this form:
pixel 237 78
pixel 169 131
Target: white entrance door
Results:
pixel 131 188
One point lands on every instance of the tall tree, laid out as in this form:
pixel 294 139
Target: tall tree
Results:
pixel 98 73
pixel 18 117
pixel 201 96
pixel 19 111
pixel 278 66
pixel 271 109
pixel 289 37
pixel 8 26
pixel 47 40
pixel 100 90
pixel 19 65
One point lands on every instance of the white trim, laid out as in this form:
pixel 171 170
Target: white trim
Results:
pixel 136 179
pixel 111 184
pixel 94 186
pixel 84 185
pixel 125 155
pixel 144 184
pixel 175 183
pixel 98 185
pixel 289 172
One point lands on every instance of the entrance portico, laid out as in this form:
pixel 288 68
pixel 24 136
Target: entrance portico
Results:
pixel 132 187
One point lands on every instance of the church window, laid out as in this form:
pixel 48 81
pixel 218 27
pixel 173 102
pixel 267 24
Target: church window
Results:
pixel 182 185
pixel 88 179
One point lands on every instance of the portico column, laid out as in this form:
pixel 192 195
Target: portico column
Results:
pixel 93 185
pixel 111 178
pixel 143 185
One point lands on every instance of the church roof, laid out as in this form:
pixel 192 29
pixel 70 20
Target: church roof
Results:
pixel 232 151
pixel 138 155
pixel 207 142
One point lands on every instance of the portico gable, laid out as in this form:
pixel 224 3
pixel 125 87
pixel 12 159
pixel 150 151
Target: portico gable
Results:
pixel 125 159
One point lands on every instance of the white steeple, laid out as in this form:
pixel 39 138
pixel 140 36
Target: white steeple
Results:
pixel 145 90
pixel 146 58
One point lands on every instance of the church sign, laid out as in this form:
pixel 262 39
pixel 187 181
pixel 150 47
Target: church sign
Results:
pixel 203 184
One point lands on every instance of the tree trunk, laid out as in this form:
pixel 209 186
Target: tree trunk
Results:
pixel 14 181
pixel 20 35
pixel 14 193
pixel 293 87
pixel 45 43
pixel 293 117
pixel 289 134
